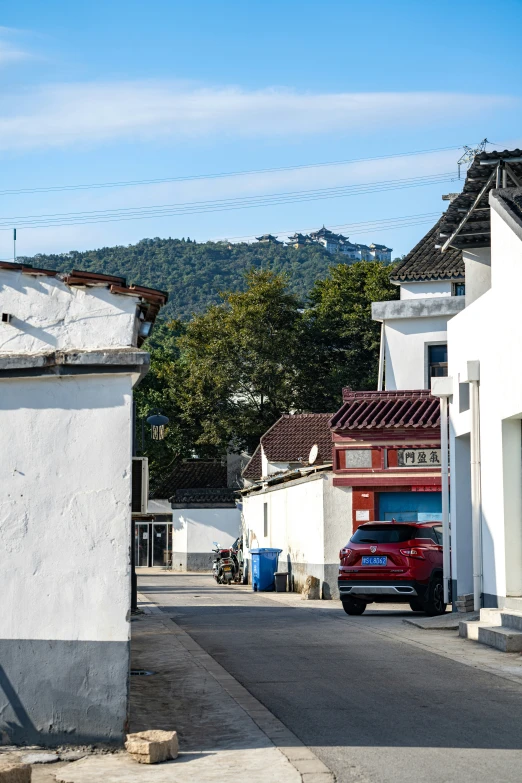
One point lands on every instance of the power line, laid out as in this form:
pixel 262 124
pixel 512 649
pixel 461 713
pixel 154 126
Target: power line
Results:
pixel 128 183
pixel 382 224
pixel 368 225
pixel 198 207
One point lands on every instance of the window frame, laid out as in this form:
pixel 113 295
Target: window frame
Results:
pixel 456 284
pixel 427 364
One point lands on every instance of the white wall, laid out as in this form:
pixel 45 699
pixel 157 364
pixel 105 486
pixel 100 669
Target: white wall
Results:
pixel 48 316
pixel 477 263
pixel 194 533
pixel 309 519
pixel 414 290
pixel 65 508
pixel 406 341
pixel 490 330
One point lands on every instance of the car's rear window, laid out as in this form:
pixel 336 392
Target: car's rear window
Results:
pixel 383 534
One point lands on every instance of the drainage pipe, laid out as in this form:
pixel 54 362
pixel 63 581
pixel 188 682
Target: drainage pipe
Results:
pixel 446 551
pixel 380 378
pixel 476 501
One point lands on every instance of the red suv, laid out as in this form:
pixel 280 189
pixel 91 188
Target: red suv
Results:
pixel 393 562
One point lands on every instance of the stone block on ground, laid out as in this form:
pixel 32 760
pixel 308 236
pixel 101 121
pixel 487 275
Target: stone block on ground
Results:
pixel 152 747
pixel 311 589
pixel 13 771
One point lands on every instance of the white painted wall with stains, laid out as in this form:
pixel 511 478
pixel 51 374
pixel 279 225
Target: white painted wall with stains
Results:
pixel 65 519
pixel 309 519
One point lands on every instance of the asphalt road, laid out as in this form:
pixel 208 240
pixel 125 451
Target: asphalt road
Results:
pixel 373 708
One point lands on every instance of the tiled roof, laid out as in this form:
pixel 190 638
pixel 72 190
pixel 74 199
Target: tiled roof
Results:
pixel 476 230
pixel 387 410
pixel 252 470
pixel 209 496
pixel 191 475
pixel 152 299
pixel 292 437
pixel 426 262
pixel 290 440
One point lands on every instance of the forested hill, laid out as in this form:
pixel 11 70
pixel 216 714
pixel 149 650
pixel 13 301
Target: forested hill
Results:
pixel 194 273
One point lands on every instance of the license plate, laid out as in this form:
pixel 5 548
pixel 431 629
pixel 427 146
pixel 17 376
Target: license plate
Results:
pixel 368 560
pixel 227 568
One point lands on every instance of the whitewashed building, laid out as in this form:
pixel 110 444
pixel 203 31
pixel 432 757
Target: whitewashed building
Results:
pixel 414 328
pixel 485 341
pixel 69 360
pixel 200 497
pixel 293 506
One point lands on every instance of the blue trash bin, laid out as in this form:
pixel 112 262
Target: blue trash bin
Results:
pixel 264 566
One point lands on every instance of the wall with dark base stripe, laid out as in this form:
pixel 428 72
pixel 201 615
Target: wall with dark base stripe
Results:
pixel 62 692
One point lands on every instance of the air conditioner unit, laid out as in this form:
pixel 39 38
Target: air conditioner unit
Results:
pixel 140 485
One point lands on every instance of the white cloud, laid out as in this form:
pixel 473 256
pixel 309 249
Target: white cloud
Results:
pixel 66 114
pixel 10 52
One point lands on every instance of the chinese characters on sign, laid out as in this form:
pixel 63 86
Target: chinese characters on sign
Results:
pixel 417 458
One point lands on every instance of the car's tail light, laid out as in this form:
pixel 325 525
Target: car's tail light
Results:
pixel 345 554
pixel 415 552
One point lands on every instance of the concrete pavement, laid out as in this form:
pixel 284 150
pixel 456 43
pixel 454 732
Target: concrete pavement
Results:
pixel 375 699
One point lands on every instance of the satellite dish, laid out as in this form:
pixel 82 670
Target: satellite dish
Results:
pixel 313 454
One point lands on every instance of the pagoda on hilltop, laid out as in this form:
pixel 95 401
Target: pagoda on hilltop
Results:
pixel 269 239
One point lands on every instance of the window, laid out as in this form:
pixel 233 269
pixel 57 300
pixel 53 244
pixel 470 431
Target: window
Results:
pixel 437 361
pixel 426 532
pixel 265 520
pixel 383 534
pixel 439 534
pixel 459 289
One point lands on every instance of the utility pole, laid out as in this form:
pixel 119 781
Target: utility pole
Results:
pixel 14 244
pixel 469 154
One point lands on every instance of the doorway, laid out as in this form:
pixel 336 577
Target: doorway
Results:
pixel 153 544
pixel 160 546
pixel 141 542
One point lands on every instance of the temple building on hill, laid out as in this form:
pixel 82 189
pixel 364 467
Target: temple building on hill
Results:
pixel 337 243
pixel 334 243
pixel 269 239
pixel 380 252
pixel 299 240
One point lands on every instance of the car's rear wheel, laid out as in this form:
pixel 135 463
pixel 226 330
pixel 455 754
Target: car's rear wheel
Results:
pixel 416 605
pixel 434 604
pixel 353 606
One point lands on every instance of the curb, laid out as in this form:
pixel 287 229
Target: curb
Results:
pixel 304 761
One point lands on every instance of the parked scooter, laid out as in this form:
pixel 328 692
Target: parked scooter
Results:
pixel 227 565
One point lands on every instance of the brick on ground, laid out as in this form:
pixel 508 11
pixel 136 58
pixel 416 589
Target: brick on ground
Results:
pixel 12 771
pixel 152 747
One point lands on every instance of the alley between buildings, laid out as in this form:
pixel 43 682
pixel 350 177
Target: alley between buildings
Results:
pixel 375 699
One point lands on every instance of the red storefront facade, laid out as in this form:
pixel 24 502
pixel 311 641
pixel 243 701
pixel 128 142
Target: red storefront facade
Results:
pixel 386 447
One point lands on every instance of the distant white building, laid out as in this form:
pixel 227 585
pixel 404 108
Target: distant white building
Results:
pixel 69 359
pixel 337 243
pixel 199 496
pixel 380 252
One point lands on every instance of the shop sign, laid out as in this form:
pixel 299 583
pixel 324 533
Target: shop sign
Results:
pixel 418 458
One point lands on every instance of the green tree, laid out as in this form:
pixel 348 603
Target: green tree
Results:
pixel 340 325
pixel 225 377
pixel 242 362
pixel 162 390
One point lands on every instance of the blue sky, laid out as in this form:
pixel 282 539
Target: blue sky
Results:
pixel 116 91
